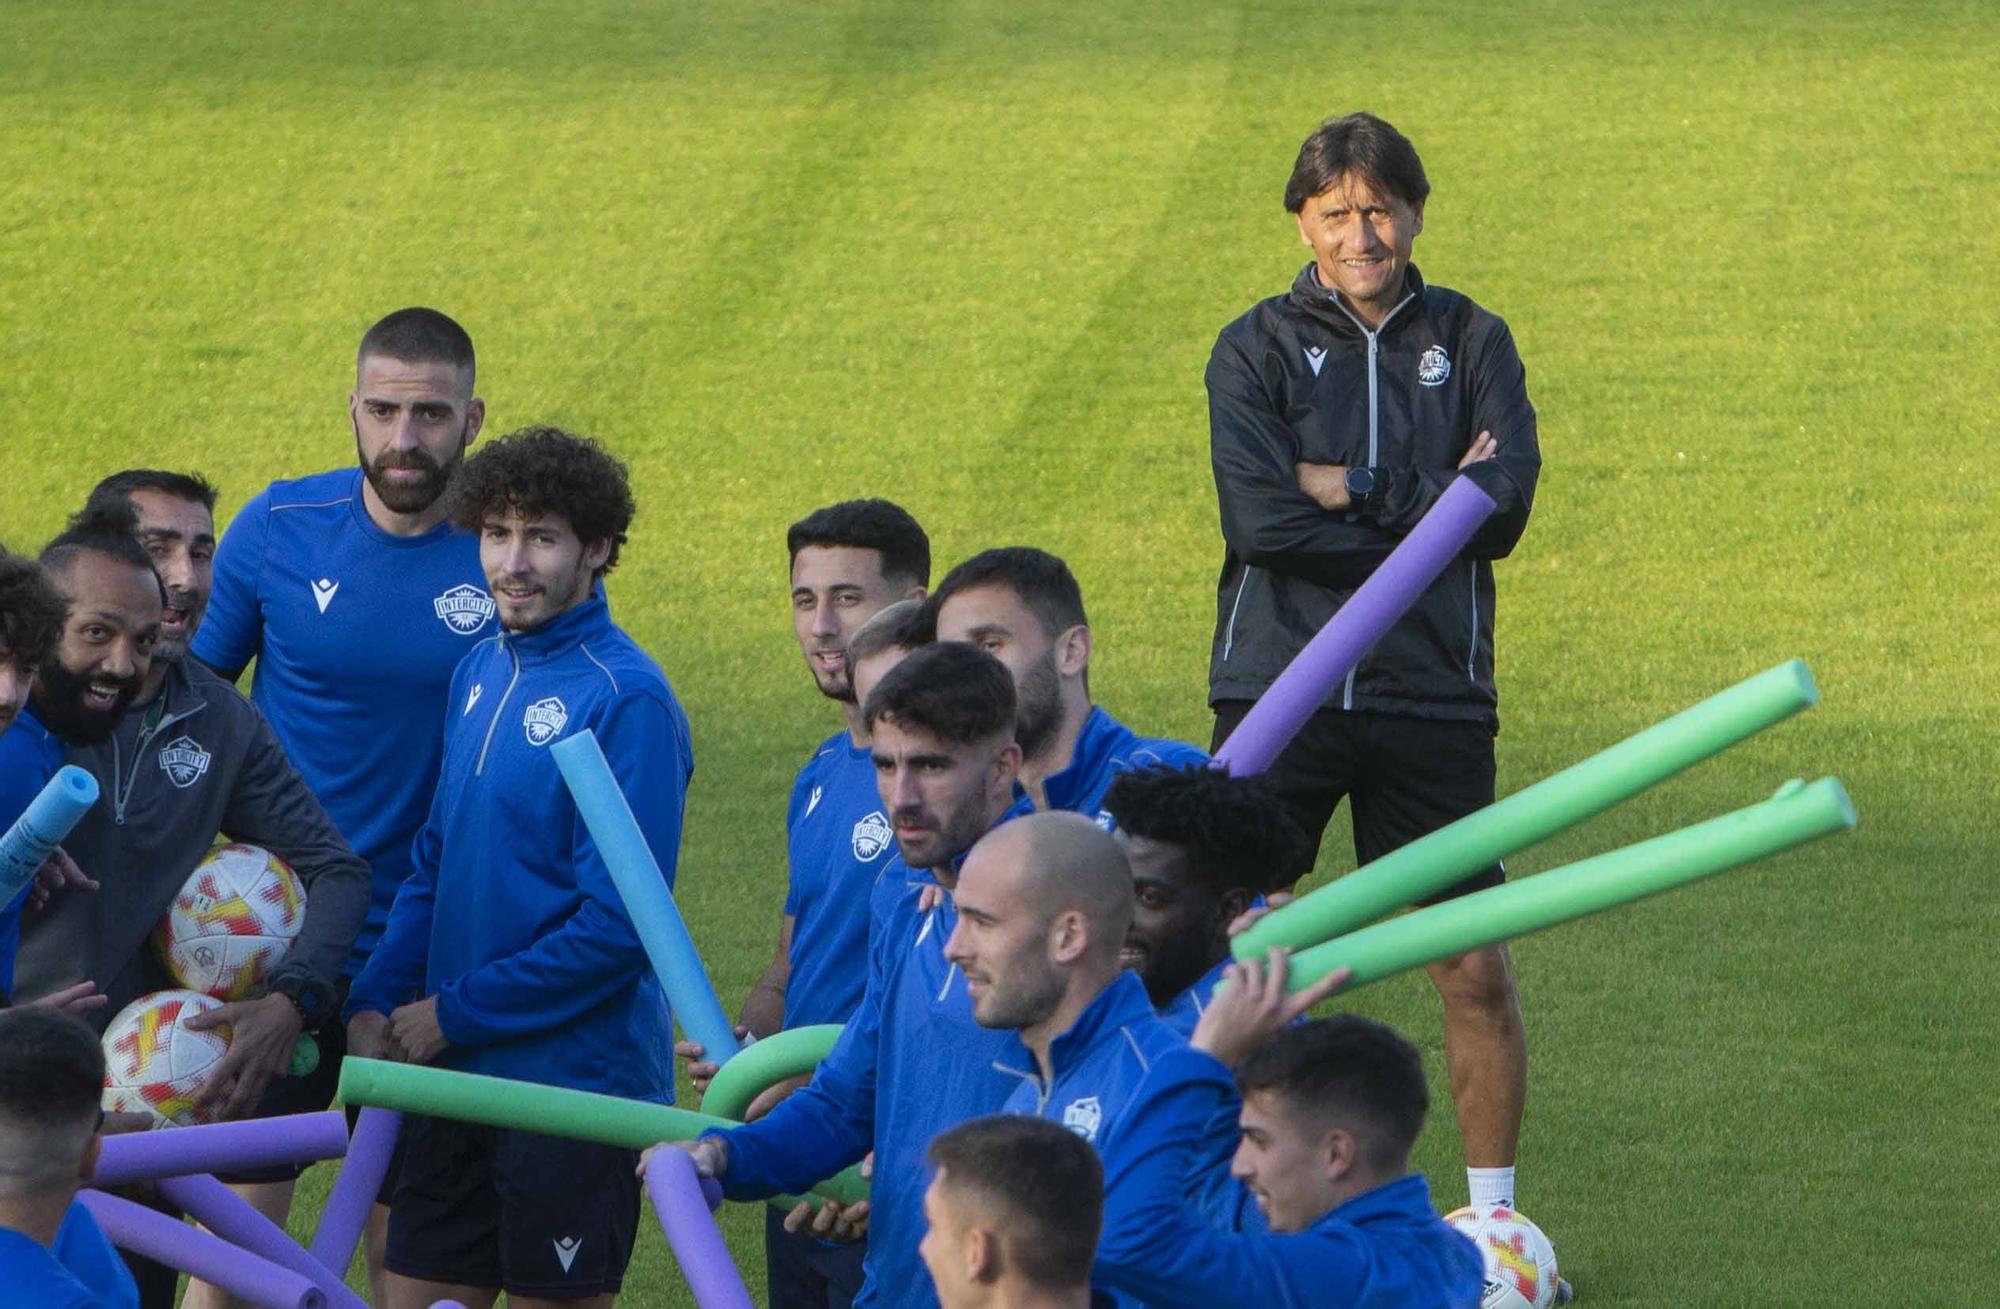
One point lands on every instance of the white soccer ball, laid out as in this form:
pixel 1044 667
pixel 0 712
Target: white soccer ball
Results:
pixel 232 921
pixel 153 1065
pixel 1520 1262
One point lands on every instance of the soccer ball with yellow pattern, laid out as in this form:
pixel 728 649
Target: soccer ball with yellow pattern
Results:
pixel 1520 1262
pixel 153 1065
pixel 235 917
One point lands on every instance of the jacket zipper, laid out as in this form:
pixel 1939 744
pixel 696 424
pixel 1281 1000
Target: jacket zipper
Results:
pixel 1374 431
pixel 1472 651
pixel 1229 636
pixel 479 769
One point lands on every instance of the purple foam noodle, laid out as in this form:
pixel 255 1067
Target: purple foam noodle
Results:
pixel 220 1148
pixel 232 1218
pixel 1358 624
pixel 171 1242
pixel 689 1222
pixel 353 1198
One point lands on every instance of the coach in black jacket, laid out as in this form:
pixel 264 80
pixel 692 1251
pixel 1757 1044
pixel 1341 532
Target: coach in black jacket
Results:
pixel 1338 414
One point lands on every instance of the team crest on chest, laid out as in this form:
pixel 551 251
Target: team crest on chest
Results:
pixel 1083 1117
pixel 465 608
pixel 544 719
pixel 1433 366
pixel 184 761
pixel 872 837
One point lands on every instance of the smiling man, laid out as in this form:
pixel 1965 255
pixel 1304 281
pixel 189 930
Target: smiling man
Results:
pixel 1338 414
pixel 509 951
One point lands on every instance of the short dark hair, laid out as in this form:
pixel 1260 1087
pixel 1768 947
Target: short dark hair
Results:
pixel 106 525
pixel 192 487
pixel 545 470
pixel 51 1081
pixel 31 611
pixel 956 692
pixel 419 336
pixel 1044 583
pixel 903 625
pixel 1041 1182
pixel 1366 146
pixel 1237 831
pixel 879 525
pixel 1353 1071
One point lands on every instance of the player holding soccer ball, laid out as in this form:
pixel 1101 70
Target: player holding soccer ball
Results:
pixel 509 951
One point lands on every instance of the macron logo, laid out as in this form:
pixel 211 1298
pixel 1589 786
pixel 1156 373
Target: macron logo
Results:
pixel 323 592
pixel 566 1248
pixel 472 699
pixel 1316 356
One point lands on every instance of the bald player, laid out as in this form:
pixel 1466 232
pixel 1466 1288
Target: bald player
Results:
pixel 1044 904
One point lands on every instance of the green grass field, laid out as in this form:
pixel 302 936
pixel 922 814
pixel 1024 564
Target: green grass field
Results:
pixel 973 256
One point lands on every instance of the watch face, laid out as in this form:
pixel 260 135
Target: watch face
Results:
pixel 1360 481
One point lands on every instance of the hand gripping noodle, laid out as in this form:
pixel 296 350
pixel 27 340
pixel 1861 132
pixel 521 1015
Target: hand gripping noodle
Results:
pixel 644 889
pixel 687 1220
pixel 49 817
pixel 1433 862
pixel 1372 610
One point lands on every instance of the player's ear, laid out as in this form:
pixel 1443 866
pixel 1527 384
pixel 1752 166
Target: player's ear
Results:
pixel 1067 934
pixel 596 553
pixel 1305 237
pixel 1007 761
pixel 1232 905
pixel 1418 210
pixel 1073 651
pixel 88 1167
pixel 475 418
pixel 1340 1151
pixel 917 593
pixel 982 1256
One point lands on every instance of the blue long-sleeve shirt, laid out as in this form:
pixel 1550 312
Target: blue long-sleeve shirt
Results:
pixel 838 841
pixel 1384 1249
pixel 1185 1010
pixel 510 917
pixel 1105 748
pixel 30 754
pixel 911 1062
pixel 315 592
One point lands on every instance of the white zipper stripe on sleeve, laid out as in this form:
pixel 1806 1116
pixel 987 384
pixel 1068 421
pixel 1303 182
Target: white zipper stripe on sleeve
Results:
pixel 1229 634
pixel 1472 652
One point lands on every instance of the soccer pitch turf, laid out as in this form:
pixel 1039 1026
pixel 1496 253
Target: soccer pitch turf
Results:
pixel 973 256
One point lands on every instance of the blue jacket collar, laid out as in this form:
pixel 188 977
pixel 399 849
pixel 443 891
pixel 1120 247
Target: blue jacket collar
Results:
pixel 1123 1002
pixel 1409 1196
pixel 565 631
pixel 1096 741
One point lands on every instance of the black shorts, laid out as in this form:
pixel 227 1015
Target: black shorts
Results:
pixel 533 1215
pixel 1406 777
pixel 803 1272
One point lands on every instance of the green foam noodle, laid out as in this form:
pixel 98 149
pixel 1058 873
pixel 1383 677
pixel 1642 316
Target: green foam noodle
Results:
pixel 551 1110
pixel 1796 814
pixel 1448 855
pixel 763 1064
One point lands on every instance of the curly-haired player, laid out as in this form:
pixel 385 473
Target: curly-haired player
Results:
pixel 31 620
pixel 1203 845
pixel 509 951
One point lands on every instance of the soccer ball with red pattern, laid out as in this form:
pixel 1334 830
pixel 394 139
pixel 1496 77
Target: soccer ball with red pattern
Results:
pixel 153 1065
pixel 1520 1262
pixel 232 921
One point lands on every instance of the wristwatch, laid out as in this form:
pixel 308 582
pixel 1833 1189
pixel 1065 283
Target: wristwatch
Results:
pixel 305 998
pixel 1362 483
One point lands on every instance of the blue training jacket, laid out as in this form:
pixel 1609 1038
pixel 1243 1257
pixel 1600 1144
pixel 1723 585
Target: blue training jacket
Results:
pixel 1185 1010
pixel 30 754
pixel 1105 748
pixel 1384 1249
pixel 909 1064
pixel 837 842
pixel 509 916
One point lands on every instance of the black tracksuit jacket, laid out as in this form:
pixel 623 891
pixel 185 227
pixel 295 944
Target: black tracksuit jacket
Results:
pixel 1299 378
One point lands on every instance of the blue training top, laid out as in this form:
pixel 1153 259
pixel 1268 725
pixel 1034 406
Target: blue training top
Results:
pixel 355 633
pixel 1185 1010
pixel 1383 1249
pixel 510 917
pixel 839 840
pixel 83 1248
pixel 1105 748
pixel 911 1062
pixel 30 754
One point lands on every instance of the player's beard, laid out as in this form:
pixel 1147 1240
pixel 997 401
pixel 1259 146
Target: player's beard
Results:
pixel 1028 997
pixel 1040 712
pixel 59 704
pixel 414 497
